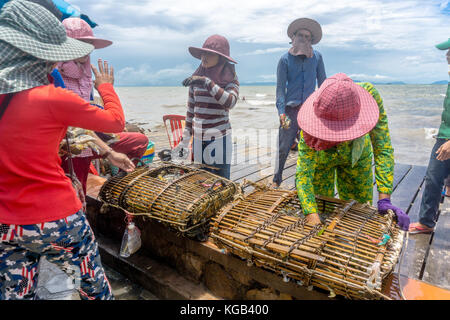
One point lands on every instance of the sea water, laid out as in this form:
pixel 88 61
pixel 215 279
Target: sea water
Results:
pixel 414 113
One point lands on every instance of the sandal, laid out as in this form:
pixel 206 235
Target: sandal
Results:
pixel 417 228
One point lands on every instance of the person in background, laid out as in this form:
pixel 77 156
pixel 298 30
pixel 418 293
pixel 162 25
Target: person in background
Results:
pixel 342 122
pixel 438 167
pixel 40 213
pixel 298 72
pixel 213 92
pixel 77 77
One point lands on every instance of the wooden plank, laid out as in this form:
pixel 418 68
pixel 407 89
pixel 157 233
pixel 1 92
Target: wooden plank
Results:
pixel 417 246
pixel 406 191
pixel 437 264
pixel 154 276
pixel 289 177
pixel 263 172
pixel 400 171
pixel 262 175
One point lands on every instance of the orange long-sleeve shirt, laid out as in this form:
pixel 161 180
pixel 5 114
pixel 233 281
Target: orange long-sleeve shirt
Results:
pixel 33 186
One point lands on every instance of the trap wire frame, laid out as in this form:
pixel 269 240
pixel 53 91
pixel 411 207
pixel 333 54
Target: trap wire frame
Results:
pixel 181 197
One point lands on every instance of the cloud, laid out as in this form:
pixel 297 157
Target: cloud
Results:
pixel 265 51
pixel 377 77
pixel 363 30
pixel 146 76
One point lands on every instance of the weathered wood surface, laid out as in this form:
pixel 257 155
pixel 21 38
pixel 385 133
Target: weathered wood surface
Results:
pixel 437 264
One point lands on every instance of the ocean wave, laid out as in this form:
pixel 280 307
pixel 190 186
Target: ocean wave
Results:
pixel 260 103
pixel 442 95
pixel 261 95
pixel 430 133
pixel 170 106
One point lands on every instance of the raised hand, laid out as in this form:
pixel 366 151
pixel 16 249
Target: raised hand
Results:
pixel 104 74
pixel 194 80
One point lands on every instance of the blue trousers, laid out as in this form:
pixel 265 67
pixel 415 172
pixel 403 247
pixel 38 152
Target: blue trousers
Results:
pixel 437 172
pixel 286 138
pixel 215 153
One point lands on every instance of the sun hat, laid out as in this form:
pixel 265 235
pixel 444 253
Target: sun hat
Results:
pixel 340 110
pixel 33 29
pixel 79 29
pixel 444 45
pixel 305 23
pixel 215 44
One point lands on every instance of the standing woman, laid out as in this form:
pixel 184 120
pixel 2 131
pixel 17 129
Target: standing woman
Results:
pixel 213 91
pixel 40 213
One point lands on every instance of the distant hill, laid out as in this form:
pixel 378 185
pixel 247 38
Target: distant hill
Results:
pixel 441 82
pixel 393 82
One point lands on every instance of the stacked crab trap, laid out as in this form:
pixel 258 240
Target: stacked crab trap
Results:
pixel 349 254
pixel 180 197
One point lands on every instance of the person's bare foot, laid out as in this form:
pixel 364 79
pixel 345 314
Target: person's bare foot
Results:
pixel 274 185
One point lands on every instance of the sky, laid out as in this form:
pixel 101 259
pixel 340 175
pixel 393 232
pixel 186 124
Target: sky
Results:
pixel 371 40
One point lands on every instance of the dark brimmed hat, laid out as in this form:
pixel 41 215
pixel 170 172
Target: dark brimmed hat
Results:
pixel 32 29
pixel 305 23
pixel 214 44
pixel 340 110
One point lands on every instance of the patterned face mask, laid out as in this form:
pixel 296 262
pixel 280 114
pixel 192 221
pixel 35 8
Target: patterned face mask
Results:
pixel 301 44
pixel 21 71
pixel 318 144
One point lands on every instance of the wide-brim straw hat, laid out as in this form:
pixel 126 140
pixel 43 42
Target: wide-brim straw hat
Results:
pixel 214 44
pixel 340 110
pixel 79 29
pixel 305 23
pixel 33 29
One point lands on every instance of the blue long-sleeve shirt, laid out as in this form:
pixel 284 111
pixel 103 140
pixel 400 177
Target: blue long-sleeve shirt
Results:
pixel 296 79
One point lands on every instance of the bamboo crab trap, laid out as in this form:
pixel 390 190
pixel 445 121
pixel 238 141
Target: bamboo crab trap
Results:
pixel 181 197
pixel 345 254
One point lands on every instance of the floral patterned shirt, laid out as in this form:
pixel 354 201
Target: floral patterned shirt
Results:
pixel 377 143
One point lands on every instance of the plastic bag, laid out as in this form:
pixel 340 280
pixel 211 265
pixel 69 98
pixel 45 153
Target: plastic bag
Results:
pixel 131 241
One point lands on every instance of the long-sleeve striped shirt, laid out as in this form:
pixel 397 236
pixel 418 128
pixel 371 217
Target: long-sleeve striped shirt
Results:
pixel 208 109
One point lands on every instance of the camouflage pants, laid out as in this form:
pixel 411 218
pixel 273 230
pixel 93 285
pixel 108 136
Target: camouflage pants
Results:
pixel 68 243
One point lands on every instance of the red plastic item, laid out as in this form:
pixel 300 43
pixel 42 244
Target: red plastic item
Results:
pixel 177 123
pixel 92 169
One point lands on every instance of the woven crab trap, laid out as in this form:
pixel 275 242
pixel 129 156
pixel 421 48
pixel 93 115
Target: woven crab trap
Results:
pixel 181 197
pixel 349 254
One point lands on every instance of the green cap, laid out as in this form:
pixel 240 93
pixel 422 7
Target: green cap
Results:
pixel 444 45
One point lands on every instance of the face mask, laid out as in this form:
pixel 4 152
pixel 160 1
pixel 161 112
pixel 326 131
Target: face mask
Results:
pixel 301 44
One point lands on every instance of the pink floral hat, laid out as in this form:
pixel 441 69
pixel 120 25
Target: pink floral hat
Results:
pixel 79 29
pixel 340 110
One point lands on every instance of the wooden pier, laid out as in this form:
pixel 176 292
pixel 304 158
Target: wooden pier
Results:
pixel 173 267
